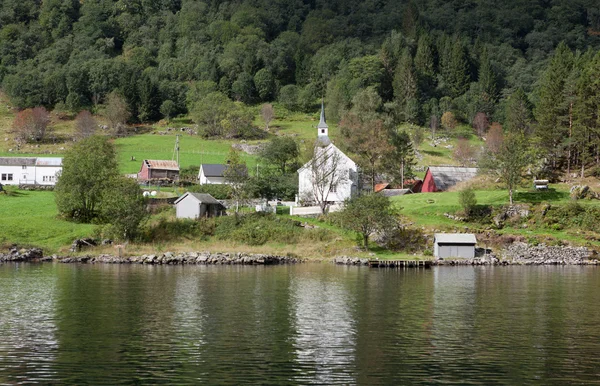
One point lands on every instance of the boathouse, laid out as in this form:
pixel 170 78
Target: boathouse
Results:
pixel 454 245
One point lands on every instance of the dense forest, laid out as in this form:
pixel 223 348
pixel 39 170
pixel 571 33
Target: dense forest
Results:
pixel 531 65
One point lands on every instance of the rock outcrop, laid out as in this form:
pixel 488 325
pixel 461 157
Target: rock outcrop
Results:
pixel 16 255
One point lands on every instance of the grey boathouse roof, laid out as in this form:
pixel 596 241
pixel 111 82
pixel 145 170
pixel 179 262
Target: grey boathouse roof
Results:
pixel 455 238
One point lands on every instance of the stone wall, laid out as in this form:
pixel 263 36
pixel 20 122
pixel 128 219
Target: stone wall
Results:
pixel 523 253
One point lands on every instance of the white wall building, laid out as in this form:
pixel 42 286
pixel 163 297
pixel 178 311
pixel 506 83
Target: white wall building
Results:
pixel 211 174
pixel 29 170
pixel 346 171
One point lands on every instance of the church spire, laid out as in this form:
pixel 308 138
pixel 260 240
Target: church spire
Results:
pixel 323 129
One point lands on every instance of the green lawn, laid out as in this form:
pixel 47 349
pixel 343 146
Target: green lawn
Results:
pixel 29 219
pixel 427 210
pixel 193 150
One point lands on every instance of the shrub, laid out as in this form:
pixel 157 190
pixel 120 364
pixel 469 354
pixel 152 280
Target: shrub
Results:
pixel 467 200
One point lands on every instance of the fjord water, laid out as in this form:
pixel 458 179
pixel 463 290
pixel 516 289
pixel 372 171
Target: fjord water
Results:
pixel 304 324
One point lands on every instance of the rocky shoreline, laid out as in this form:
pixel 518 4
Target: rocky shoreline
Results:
pixel 515 254
pixel 167 258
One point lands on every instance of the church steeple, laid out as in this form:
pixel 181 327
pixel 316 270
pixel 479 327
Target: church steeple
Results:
pixel 323 129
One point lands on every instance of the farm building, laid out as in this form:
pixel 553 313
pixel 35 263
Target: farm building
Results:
pixel 30 170
pixel 158 169
pixel 454 245
pixel 441 178
pixel 198 205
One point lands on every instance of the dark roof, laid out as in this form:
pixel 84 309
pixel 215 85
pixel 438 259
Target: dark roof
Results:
pixel 448 176
pixel 218 170
pixel 395 192
pixel 17 161
pixel 213 170
pixel 204 198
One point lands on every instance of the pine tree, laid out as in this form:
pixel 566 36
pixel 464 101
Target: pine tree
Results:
pixel 405 88
pixel 586 113
pixel 424 66
pixel 458 76
pixel 401 159
pixel 487 84
pixel 551 107
pixel 518 114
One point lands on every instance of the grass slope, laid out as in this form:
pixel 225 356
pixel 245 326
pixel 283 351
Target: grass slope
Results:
pixel 30 218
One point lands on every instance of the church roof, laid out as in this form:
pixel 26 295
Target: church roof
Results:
pixel 322 123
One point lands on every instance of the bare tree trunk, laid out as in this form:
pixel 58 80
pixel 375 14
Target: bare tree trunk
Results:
pixel 402 174
pixel 570 135
pixel 510 195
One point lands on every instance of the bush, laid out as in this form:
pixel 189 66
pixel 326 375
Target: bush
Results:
pixel 260 228
pixel 467 200
pixel 168 230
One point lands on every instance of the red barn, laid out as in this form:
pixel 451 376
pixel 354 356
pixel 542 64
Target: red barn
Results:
pixel 158 169
pixel 441 178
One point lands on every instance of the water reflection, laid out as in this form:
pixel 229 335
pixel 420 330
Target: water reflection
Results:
pixel 318 324
pixel 325 334
pixel 28 343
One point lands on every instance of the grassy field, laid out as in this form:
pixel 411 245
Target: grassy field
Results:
pixel 30 219
pixel 427 210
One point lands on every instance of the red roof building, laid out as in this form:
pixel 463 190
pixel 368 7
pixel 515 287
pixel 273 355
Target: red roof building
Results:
pixel 158 169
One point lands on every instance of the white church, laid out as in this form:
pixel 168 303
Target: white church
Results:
pixel 331 176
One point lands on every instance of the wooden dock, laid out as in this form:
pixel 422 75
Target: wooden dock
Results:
pixel 400 263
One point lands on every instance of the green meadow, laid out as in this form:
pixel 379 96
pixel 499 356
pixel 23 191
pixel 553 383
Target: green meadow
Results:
pixel 30 219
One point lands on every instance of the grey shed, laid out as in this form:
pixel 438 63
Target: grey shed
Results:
pixel 454 245
pixel 197 205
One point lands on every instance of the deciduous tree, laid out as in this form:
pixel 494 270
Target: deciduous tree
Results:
pixel 85 125
pixel 367 214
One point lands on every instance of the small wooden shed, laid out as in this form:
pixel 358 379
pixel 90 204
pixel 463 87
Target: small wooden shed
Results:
pixel 454 245
pixel 198 205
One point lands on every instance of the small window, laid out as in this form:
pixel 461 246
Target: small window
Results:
pixel 24 167
pixel 10 177
pixel 3 177
pixel 322 131
pixel 334 189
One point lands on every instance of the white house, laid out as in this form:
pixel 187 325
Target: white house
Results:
pixel 211 174
pixel 29 170
pixel 331 176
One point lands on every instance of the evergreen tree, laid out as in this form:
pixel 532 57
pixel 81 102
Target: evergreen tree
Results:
pixel 458 76
pixel 518 114
pixel 487 85
pixel 405 89
pixel 551 107
pixel 424 66
pixel 401 158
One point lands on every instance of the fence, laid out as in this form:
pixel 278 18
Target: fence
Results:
pixel 311 210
